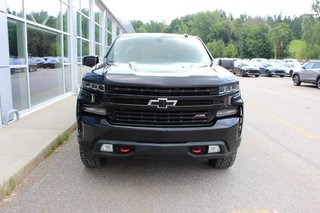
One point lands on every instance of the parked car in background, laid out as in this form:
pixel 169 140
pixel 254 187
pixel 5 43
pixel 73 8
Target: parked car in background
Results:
pixel 51 62
pixel 32 65
pixel 291 68
pixel 245 68
pixel 291 61
pixel 310 73
pixel 227 64
pixel 271 69
pixel 39 61
pixel 259 61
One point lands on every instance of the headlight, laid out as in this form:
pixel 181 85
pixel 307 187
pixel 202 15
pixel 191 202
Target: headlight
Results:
pixel 94 86
pixel 230 88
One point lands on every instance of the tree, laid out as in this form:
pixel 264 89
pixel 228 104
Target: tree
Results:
pixel 216 48
pixel 316 7
pixel 280 37
pixel 311 30
pixel 230 51
pixel 256 43
pixel 206 25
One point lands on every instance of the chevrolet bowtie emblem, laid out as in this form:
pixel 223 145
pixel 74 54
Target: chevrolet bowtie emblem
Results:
pixel 162 103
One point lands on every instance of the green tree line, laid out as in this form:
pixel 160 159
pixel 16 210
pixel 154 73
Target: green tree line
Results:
pixel 246 36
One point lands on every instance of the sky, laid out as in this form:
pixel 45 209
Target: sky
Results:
pixel 167 10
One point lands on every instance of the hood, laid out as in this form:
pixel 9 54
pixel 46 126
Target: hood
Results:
pixel 176 74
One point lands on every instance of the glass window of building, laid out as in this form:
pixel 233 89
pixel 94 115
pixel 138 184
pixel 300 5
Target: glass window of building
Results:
pixel 85 5
pixel 19 86
pixel 47 82
pixel 109 39
pixel 66 41
pixel 47 13
pixel 118 31
pixel 68 78
pixel 18 69
pixel 98 33
pixel 99 50
pixel 65 17
pixel 15 8
pixel 84 27
pixel 76 4
pixel 79 55
pixel 109 24
pixel 16 42
pixel 98 14
pixel 78 24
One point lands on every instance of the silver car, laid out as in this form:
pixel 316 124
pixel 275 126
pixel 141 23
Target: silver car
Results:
pixel 310 73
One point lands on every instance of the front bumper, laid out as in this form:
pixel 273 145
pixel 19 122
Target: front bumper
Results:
pixel 168 143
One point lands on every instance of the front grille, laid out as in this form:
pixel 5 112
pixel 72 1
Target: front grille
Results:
pixel 161 118
pixel 151 91
pixel 144 101
pixel 195 107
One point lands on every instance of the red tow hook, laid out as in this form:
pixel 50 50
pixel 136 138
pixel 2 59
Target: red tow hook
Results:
pixel 124 149
pixel 196 150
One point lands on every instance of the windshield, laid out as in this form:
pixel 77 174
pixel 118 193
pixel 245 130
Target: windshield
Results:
pixel 158 49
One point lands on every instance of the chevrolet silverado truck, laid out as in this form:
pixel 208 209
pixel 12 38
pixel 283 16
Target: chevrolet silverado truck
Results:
pixel 158 96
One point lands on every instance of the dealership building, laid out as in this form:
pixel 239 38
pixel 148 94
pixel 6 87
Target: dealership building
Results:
pixel 42 44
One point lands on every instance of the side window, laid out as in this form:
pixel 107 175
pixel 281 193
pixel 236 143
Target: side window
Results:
pixel 316 65
pixel 309 66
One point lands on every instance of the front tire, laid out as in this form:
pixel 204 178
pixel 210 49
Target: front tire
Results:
pixel 296 80
pixel 89 160
pixel 318 83
pixel 290 73
pixel 223 163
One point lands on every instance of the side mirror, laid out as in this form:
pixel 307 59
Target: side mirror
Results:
pixel 303 67
pixel 90 61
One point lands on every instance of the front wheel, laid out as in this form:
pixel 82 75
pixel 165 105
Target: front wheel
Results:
pixel 257 75
pixel 89 160
pixel 223 163
pixel 318 83
pixel 290 73
pixel 296 80
pixel 281 76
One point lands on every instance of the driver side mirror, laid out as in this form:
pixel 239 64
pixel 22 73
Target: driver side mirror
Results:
pixel 90 61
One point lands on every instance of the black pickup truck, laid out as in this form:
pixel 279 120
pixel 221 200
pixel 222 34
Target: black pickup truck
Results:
pixel 158 96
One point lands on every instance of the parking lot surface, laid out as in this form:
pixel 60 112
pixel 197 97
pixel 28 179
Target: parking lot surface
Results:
pixel 277 168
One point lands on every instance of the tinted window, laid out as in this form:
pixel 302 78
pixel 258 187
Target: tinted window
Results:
pixel 309 66
pixel 158 49
pixel 316 65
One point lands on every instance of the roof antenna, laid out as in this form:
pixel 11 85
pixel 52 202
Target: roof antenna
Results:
pixel 186 34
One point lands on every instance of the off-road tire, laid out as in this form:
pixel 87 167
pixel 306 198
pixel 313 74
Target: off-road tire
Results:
pixel 296 80
pixel 291 73
pixel 223 163
pixel 89 160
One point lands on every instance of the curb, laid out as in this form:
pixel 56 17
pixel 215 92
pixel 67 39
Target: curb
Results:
pixel 9 185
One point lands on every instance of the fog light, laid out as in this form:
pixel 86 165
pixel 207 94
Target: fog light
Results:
pixel 214 149
pixel 95 110
pixel 226 112
pixel 106 148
